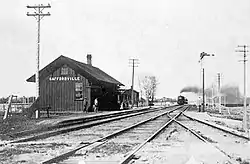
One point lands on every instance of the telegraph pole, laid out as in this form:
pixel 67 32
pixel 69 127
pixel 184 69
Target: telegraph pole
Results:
pixel 203 90
pixel 219 92
pixel 134 64
pixel 38 14
pixel 213 96
pixel 245 83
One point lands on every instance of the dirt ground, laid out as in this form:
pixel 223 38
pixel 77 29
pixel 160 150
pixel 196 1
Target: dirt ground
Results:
pixel 179 146
pixel 16 124
pixel 19 123
pixel 38 151
pixel 232 119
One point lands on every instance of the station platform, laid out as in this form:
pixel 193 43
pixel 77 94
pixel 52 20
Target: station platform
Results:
pixel 231 125
pixel 70 116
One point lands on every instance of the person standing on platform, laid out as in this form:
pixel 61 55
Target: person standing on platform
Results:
pixel 85 104
pixel 121 106
pixel 96 105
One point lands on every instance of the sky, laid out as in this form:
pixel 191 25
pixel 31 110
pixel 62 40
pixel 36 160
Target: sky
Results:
pixel 167 36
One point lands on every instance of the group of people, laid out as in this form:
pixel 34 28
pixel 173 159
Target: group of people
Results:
pixel 124 104
pixel 95 106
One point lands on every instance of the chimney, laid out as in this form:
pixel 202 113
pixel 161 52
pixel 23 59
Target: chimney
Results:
pixel 89 61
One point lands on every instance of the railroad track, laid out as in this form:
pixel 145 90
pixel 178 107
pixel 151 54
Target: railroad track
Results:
pixel 219 145
pixel 77 121
pixel 81 123
pixel 226 141
pixel 130 140
pixel 47 148
pixel 147 128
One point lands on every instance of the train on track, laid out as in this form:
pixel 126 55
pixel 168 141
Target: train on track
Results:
pixel 181 100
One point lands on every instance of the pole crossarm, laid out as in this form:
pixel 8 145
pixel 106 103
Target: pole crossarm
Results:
pixel 37 14
pixel 39 6
pixel 134 61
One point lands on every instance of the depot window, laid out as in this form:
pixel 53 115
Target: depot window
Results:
pixel 78 91
pixel 64 71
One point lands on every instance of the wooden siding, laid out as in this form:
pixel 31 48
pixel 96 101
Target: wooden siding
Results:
pixel 60 94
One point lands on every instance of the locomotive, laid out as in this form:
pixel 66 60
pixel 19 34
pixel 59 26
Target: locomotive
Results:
pixel 181 100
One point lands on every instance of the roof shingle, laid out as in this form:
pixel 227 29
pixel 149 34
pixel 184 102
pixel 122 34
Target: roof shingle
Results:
pixel 86 70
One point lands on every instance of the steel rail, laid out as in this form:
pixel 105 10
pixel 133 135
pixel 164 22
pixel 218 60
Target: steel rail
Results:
pixel 81 120
pixel 204 140
pixel 217 127
pixel 131 155
pixel 101 116
pixel 78 127
pixel 101 140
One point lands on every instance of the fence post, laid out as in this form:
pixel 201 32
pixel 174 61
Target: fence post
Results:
pixel 8 107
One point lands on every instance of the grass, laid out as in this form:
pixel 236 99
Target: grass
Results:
pixel 236 113
pixel 17 123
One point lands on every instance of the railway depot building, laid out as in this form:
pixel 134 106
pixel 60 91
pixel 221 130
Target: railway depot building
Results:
pixel 127 99
pixel 67 84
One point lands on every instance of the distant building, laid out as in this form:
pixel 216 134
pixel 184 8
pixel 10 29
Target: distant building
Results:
pixel 126 97
pixel 142 102
pixel 65 83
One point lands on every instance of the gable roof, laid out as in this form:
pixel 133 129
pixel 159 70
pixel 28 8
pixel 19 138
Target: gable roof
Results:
pixel 90 72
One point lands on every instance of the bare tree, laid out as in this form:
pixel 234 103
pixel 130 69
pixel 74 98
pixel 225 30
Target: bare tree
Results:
pixel 149 86
pixel 140 87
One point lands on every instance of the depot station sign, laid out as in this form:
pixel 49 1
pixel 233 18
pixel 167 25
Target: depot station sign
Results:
pixel 60 78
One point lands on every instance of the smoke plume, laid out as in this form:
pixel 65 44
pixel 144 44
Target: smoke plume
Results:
pixel 232 94
pixel 193 89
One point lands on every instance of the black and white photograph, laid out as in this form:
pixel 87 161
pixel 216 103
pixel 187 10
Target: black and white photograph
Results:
pixel 125 82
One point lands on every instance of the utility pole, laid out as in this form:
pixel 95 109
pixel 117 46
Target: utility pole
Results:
pixel 203 90
pixel 38 14
pixel 134 63
pixel 245 83
pixel 213 96
pixel 219 92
